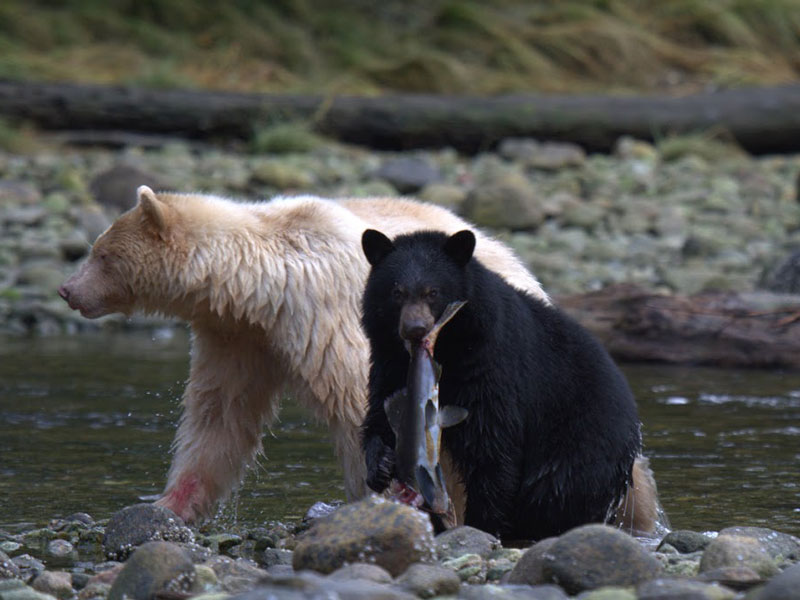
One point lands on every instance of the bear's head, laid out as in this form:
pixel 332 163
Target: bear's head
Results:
pixel 412 280
pixel 133 260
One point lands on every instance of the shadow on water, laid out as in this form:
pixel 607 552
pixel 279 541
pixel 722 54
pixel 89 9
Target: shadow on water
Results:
pixel 86 423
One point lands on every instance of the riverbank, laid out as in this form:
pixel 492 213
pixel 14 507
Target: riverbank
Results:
pixel 688 215
pixel 145 551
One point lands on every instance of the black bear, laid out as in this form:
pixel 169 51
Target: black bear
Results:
pixel 552 432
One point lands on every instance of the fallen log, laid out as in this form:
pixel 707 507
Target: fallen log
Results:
pixel 761 120
pixel 758 329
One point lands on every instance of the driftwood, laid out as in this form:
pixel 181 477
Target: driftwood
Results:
pixel 760 119
pixel 722 329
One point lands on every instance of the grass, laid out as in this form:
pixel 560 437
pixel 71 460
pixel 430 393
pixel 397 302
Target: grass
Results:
pixel 366 47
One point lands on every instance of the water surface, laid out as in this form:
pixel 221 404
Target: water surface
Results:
pixel 86 425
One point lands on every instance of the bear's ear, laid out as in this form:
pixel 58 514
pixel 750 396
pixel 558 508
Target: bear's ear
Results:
pixel 376 246
pixel 460 246
pixel 153 209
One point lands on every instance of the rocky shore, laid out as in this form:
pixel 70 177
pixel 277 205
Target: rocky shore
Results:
pixel 378 549
pixel 683 216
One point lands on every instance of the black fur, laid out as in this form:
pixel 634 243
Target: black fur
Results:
pixel 552 430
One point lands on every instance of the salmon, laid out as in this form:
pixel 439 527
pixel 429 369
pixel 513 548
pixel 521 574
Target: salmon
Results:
pixel 417 421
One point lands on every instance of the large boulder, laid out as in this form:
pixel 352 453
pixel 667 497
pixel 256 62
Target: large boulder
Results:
pixel 375 530
pixel 140 523
pixel 154 567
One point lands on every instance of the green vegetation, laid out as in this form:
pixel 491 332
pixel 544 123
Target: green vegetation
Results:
pixel 362 46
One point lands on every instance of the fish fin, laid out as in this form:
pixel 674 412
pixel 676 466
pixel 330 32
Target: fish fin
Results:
pixel 427 487
pixel 394 406
pixel 451 415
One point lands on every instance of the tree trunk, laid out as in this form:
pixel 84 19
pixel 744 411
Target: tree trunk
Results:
pixel 760 119
pixel 721 329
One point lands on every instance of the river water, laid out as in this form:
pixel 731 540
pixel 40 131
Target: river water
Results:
pixel 86 424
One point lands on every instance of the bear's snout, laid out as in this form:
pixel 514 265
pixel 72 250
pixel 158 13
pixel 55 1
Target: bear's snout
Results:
pixel 415 321
pixel 63 291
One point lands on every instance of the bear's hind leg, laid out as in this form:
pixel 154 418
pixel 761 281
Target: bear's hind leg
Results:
pixel 640 513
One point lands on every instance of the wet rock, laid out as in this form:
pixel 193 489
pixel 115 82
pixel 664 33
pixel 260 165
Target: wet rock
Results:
pixel 55 583
pixel 8 569
pixel 684 565
pixel 593 556
pixel 784 586
pixel 678 589
pixel 319 510
pixel 735 578
pixel 508 202
pixel 29 567
pixel 500 562
pixel 263 537
pixel 115 188
pixel 530 567
pixel 465 540
pixel 235 575
pixel 60 549
pixel 408 175
pixel 426 581
pixel 542 155
pixel 511 592
pixel 609 593
pixel 685 541
pixel 205 579
pixel 780 546
pixel 22 592
pixel 362 571
pixel 275 556
pixel 371 530
pixel 154 567
pixel 308 585
pixel 470 568
pixel 738 551
pixel 223 542
pixel 140 523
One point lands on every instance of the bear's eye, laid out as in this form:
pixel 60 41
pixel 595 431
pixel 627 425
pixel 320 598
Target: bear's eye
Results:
pixel 398 294
pixel 432 294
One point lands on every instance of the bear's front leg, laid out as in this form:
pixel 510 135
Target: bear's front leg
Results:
pixel 231 394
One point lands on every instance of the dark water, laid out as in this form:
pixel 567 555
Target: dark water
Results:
pixel 86 424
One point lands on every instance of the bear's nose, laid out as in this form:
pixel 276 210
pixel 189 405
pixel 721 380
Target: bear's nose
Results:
pixel 414 331
pixel 63 291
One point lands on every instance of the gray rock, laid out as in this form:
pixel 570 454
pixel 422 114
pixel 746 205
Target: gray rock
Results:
pixel 92 220
pixel 609 593
pixel 154 567
pixel 8 569
pixel 738 551
pixel 470 568
pixel 274 556
pixel 371 530
pixel 60 548
pixel 784 586
pixel 55 583
pixel 140 523
pixel 593 556
pixel 23 593
pixel 529 568
pixel 308 585
pixel 18 192
pixel 115 188
pixel 29 567
pixel 408 175
pixel 465 540
pixel 319 510
pixel 680 589
pixel 736 578
pixel 508 202
pixel 235 575
pixel 511 592
pixel 685 541
pixel 779 545
pixel 501 562
pixel 545 155
pixel 427 581
pixel 449 196
pixel 28 216
pixel 362 571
